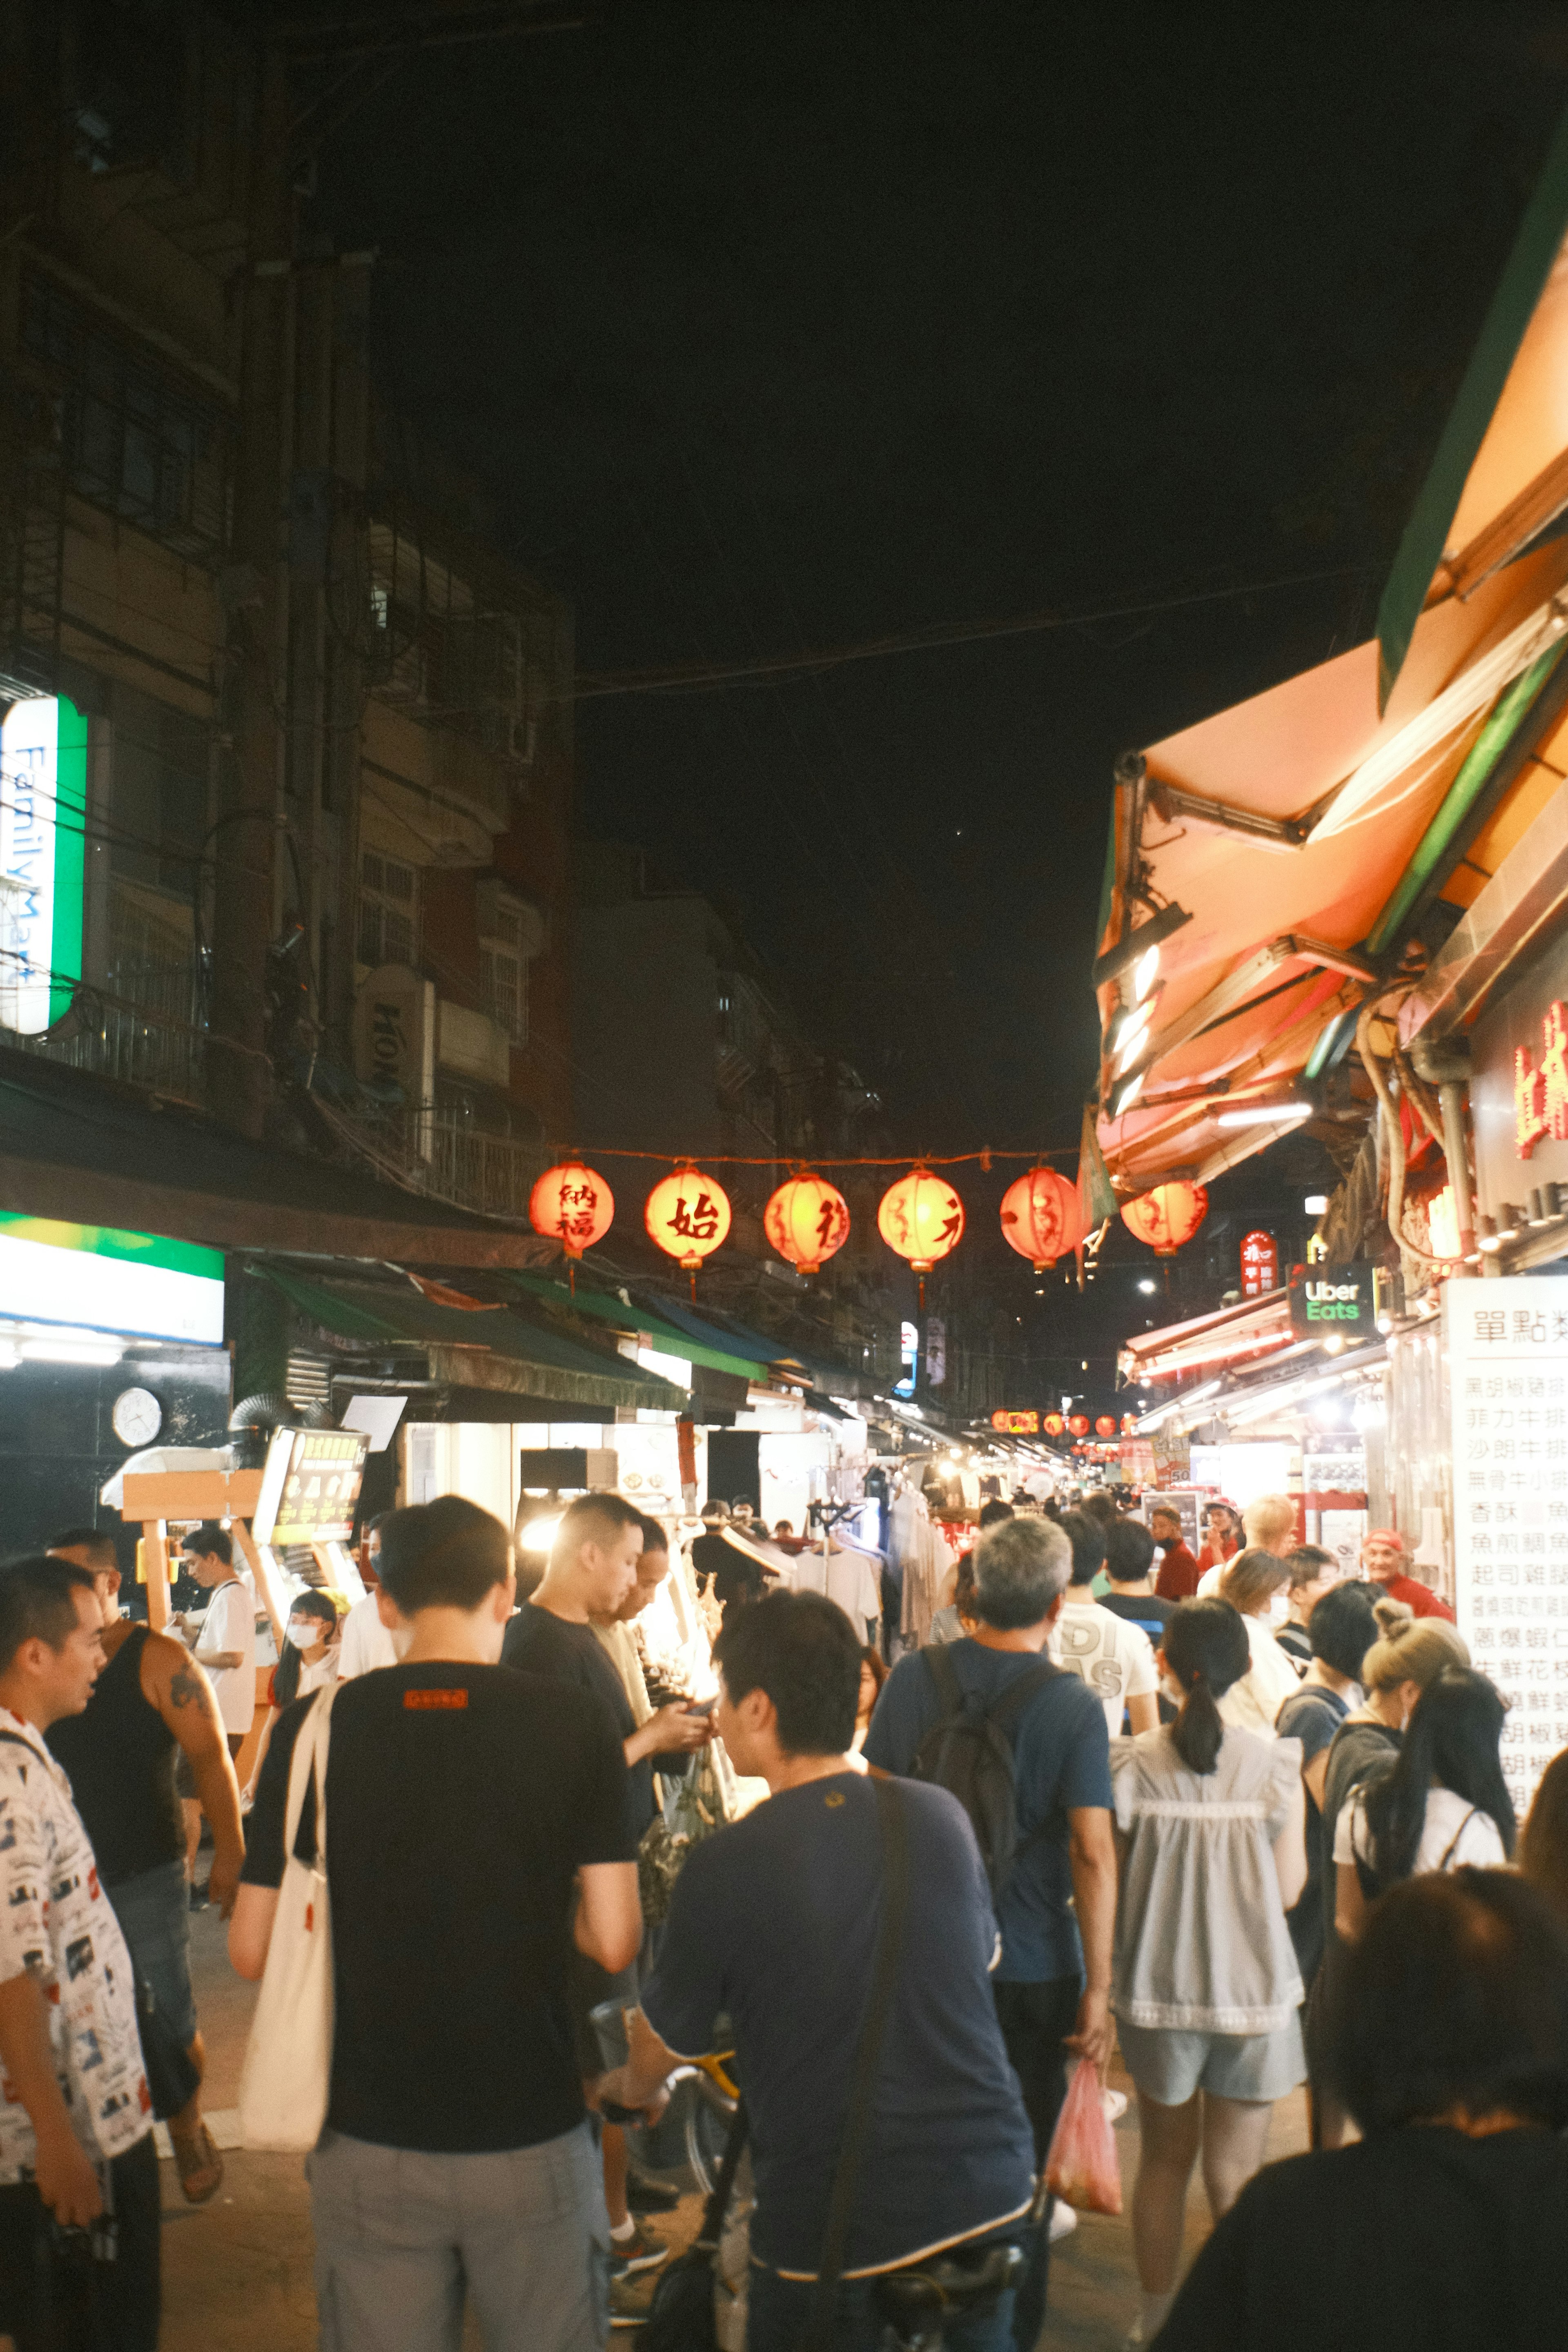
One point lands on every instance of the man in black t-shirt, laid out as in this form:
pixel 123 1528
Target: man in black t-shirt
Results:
pixel 593 1568
pixel 479 1832
pixel 774 1922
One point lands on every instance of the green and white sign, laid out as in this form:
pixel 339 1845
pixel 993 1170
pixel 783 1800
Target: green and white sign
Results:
pixel 105 1279
pixel 43 820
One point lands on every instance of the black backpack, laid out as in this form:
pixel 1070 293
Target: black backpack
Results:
pixel 969 1752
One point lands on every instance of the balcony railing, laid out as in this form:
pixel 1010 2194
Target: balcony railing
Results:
pixel 143 1026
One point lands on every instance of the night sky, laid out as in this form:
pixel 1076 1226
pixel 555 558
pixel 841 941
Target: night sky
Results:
pixel 780 326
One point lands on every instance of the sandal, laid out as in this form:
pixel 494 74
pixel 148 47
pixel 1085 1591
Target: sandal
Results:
pixel 200 2165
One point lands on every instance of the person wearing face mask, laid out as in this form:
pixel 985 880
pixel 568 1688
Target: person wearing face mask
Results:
pixel 1410 1654
pixel 1251 1584
pixel 309 1659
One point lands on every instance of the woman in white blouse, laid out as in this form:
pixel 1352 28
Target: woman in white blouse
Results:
pixel 1442 1803
pixel 1250 1584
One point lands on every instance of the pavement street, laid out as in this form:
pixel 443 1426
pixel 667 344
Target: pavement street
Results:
pixel 236 2272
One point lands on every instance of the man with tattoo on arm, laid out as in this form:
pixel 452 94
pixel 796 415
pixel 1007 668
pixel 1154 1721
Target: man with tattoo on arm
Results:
pixel 153 1707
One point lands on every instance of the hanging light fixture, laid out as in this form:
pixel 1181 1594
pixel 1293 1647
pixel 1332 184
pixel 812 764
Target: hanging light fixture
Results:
pixel 1042 1217
pixel 574 1205
pixel 806 1221
pixel 688 1215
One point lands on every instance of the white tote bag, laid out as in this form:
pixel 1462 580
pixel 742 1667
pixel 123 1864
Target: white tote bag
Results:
pixel 289 2057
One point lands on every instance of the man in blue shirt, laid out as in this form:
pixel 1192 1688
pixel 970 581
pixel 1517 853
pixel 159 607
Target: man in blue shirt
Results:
pixel 774 1922
pixel 1057 1908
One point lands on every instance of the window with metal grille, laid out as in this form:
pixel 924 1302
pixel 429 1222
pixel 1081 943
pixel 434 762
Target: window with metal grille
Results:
pixel 134 439
pixel 503 969
pixel 388 910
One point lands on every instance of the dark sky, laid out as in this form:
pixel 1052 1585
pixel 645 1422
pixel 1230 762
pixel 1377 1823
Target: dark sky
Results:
pixel 770 326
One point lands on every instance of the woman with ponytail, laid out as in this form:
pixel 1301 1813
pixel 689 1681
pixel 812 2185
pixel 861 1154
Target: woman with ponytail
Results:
pixel 1209 1822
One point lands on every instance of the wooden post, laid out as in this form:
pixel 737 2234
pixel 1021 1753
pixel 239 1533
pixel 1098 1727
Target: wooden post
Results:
pixel 156 1542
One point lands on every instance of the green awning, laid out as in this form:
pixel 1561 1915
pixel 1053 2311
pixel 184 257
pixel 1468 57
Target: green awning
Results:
pixel 478 1346
pixel 607 1306
pixel 1535 249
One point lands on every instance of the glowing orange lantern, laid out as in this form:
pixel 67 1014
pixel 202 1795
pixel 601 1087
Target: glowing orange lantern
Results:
pixel 574 1205
pixel 1042 1217
pixel 806 1220
pixel 1105 1426
pixel 1053 1424
pixel 922 1217
pixel 1166 1217
pixel 688 1215
pixel 1079 1424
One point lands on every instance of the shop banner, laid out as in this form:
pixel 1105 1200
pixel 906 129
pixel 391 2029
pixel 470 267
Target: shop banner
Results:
pixel 1507 1344
pixel 1334 1302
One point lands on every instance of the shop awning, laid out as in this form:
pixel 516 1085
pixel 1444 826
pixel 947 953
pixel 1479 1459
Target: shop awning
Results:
pixel 618 1311
pixel 497 1351
pixel 1500 474
pixel 1209 1342
pixel 78 1149
pixel 1299 831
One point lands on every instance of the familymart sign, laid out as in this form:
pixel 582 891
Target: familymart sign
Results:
pixel 43 819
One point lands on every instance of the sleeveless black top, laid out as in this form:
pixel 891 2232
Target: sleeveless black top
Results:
pixel 120 1754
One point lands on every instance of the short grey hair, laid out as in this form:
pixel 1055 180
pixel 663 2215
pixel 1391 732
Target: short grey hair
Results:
pixel 1021 1568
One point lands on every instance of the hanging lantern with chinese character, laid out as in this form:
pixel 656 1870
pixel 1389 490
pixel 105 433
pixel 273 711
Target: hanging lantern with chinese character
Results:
pixel 806 1220
pixel 922 1217
pixel 1053 1424
pixel 1167 1216
pixel 688 1215
pixel 1079 1424
pixel 574 1205
pixel 1042 1217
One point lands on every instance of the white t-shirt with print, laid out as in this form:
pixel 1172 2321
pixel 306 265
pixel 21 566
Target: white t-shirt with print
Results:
pixel 1115 1658
pixel 230 1626
pixel 1454 1835
pixel 57 1926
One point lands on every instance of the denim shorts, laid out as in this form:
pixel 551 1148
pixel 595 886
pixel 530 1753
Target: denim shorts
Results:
pixel 1170 2066
pixel 155 1914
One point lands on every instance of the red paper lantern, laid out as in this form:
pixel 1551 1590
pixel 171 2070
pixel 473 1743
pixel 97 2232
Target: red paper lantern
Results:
pixel 1106 1425
pixel 1079 1424
pixel 1053 1424
pixel 688 1215
pixel 1042 1217
pixel 1166 1217
pixel 573 1205
pixel 922 1217
pixel 806 1220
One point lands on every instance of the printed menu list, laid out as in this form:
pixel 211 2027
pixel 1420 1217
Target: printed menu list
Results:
pixel 1508 1368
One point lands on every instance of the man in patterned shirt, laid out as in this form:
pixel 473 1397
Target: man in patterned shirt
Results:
pixel 76 2117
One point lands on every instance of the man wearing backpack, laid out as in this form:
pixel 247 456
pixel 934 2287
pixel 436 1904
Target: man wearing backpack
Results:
pixel 1024 1746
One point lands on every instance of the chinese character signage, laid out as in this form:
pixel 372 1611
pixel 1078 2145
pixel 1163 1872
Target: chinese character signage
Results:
pixel 43 820
pixel 309 1486
pixel 1508 1368
pixel 1334 1301
pixel 1016 1424
pixel 1259 1265
pixel 1518 1085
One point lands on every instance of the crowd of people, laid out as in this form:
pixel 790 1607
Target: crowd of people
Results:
pixel 1255 1836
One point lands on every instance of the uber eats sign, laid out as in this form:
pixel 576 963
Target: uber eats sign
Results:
pixel 43 819
pixel 1333 1300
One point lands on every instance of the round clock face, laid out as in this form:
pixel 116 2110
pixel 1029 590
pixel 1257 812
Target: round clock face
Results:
pixel 138 1416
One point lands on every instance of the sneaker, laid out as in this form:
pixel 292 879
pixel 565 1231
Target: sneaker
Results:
pixel 1064 2221
pixel 647 2197
pixel 629 2302
pixel 641 2252
pixel 1114 2106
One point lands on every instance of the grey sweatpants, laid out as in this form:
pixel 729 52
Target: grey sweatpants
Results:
pixel 400 2235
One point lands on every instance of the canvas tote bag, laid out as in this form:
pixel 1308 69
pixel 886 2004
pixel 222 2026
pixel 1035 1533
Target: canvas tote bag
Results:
pixel 289 2057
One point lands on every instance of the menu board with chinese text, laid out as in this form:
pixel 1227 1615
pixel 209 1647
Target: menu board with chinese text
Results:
pixel 1508 1369
pixel 311 1486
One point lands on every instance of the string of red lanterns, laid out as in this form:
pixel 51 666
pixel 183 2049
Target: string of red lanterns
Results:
pixel 688 1215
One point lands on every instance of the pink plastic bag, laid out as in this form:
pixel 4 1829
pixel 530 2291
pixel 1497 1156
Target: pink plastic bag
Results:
pixel 1082 2168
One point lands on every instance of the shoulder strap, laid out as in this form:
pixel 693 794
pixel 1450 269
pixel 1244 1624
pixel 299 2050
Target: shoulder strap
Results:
pixel 301 1764
pixel 945 1675
pixel 1458 1833
pixel 894 1827
pixel 707 2238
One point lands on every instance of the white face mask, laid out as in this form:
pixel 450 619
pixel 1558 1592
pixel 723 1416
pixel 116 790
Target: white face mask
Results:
pixel 305 1632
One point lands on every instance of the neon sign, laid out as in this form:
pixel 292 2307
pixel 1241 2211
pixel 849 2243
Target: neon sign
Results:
pixel 1540 1096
